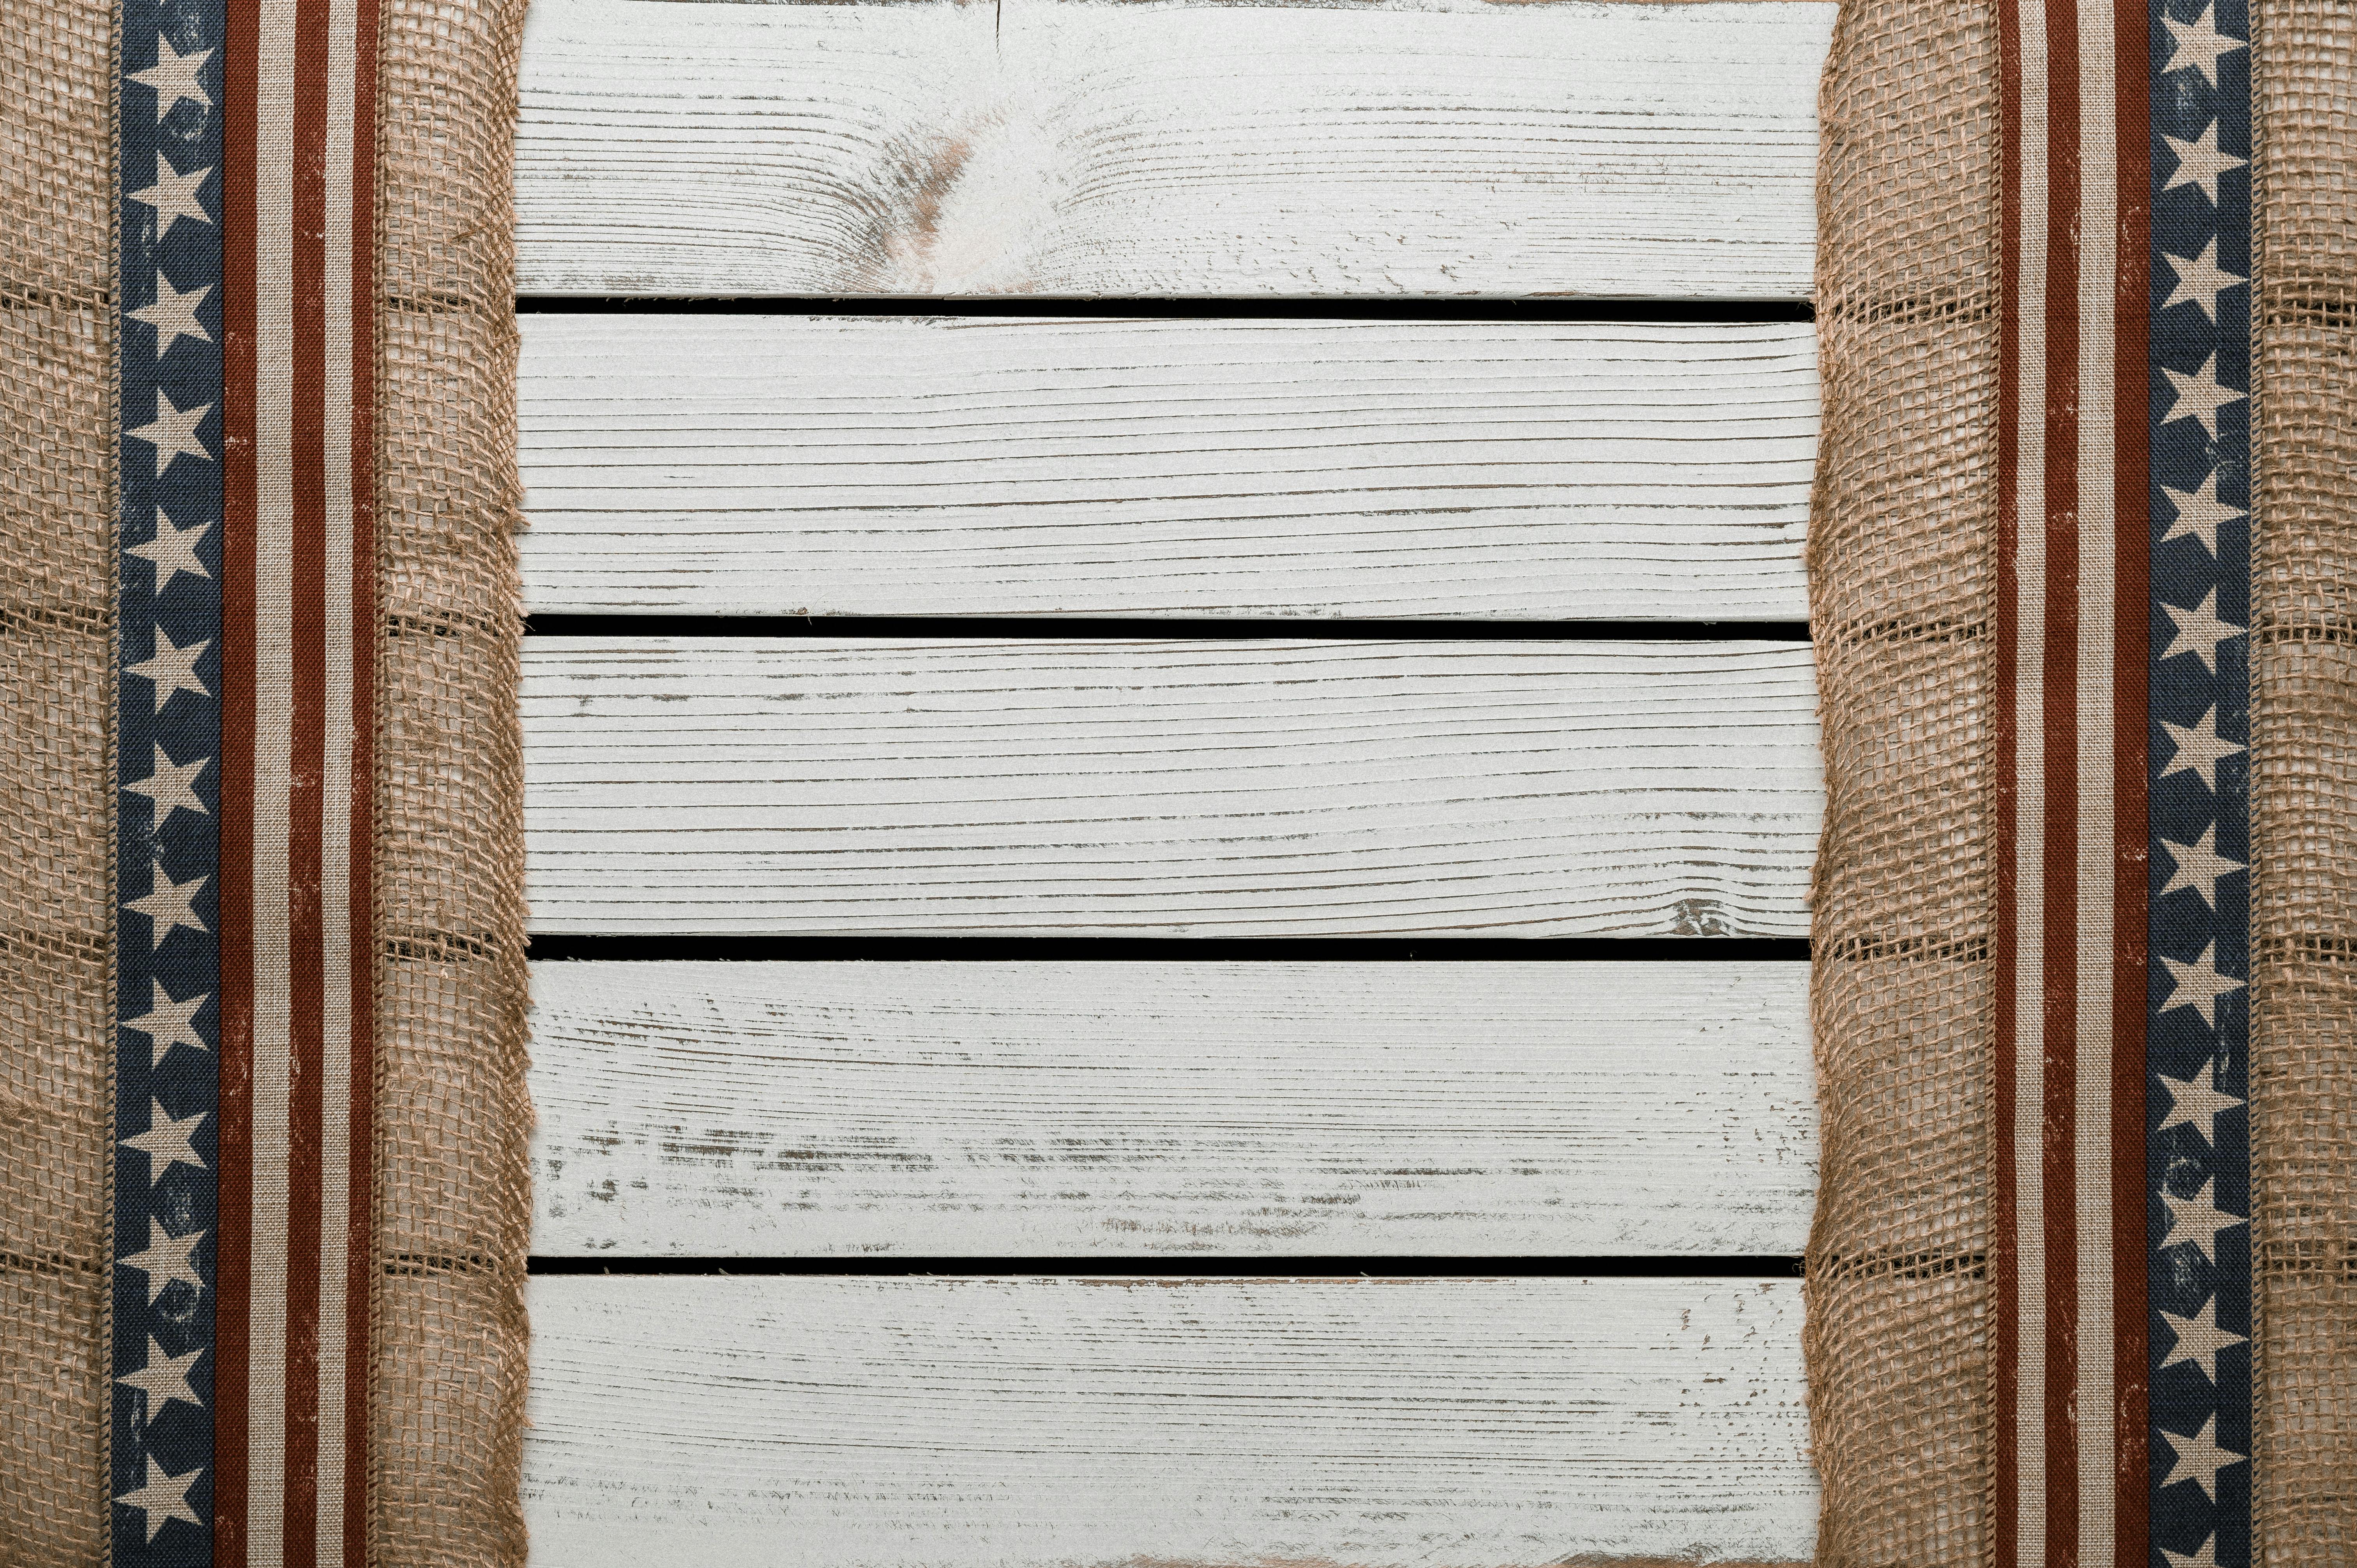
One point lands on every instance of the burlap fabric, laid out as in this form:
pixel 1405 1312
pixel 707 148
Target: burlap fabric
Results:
pixel 451 1203
pixel 2304 781
pixel 57 420
pixel 1902 565
pixel 1902 573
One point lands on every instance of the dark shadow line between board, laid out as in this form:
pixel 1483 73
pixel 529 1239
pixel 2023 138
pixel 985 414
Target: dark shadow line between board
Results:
pixel 1177 1267
pixel 1143 630
pixel 563 947
pixel 1671 312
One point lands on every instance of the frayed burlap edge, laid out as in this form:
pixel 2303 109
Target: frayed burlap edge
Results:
pixel 453 1215
pixel 1902 575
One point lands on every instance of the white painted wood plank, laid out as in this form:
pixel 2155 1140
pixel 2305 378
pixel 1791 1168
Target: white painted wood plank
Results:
pixel 996 1424
pixel 979 465
pixel 830 785
pixel 1040 1109
pixel 1153 147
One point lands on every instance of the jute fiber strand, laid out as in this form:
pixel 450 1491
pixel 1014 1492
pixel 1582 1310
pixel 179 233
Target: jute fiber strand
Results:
pixel 452 1205
pixel 1902 577
pixel 56 612
pixel 2304 782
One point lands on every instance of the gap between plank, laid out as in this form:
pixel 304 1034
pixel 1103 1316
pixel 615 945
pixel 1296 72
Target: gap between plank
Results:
pixel 1020 627
pixel 1255 1267
pixel 1347 308
pixel 636 948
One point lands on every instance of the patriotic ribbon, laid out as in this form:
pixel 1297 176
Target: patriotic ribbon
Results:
pixel 244 721
pixel 2123 1267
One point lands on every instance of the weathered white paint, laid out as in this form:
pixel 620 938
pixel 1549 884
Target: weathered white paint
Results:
pixel 974 465
pixel 1147 148
pixel 996 1423
pixel 941 787
pixel 1038 1109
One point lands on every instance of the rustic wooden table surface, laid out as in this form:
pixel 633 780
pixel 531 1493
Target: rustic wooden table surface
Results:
pixel 1172 773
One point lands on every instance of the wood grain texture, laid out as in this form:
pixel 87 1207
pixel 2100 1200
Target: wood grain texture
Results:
pixel 1083 147
pixel 1022 1423
pixel 1040 1110
pixel 979 465
pixel 1254 786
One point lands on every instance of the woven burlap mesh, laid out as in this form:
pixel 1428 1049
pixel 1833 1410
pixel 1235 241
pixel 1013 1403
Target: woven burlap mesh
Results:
pixel 55 639
pixel 1901 565
pixel 451 1196
pixel 1901 554
pixel 2304 791
pixel 452 1203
